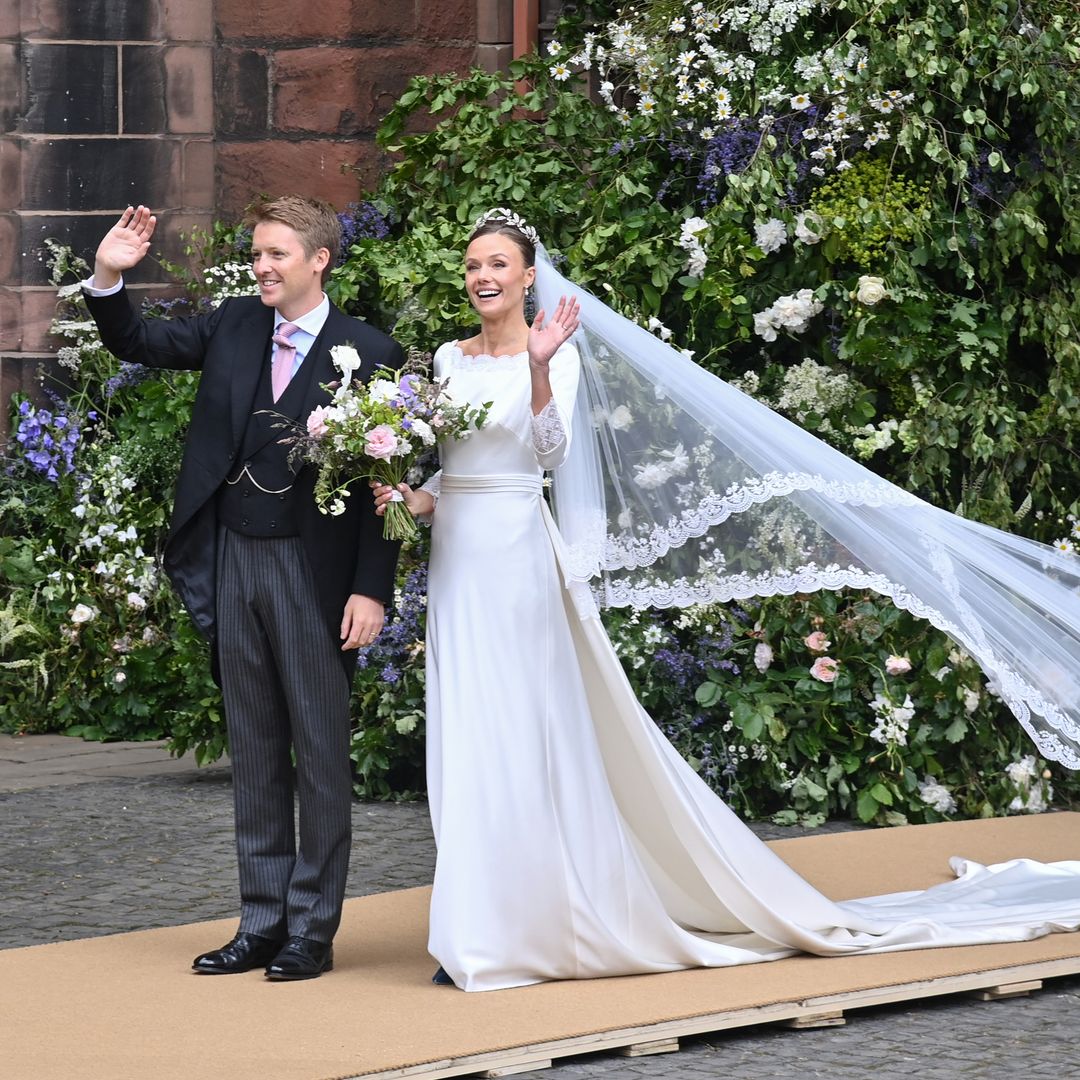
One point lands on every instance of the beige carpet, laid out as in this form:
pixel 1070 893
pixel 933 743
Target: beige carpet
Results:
pixel 126 1006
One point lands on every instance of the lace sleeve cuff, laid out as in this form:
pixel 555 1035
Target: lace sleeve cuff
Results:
pixel 432 485
pixel 548 431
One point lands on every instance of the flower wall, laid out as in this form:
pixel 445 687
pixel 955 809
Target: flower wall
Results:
pixel 866 215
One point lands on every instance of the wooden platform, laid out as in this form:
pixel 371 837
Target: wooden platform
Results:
pixel 130 1008
pixel 663 1038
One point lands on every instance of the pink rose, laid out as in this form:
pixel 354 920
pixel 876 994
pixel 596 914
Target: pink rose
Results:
pixel 897 665
pixel 825 668
pixel 316 422
pixel 817 641
pixel 381 442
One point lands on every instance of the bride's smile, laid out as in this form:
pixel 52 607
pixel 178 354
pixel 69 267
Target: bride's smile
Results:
pixel 496 276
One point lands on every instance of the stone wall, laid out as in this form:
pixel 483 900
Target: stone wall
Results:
pixel 192 106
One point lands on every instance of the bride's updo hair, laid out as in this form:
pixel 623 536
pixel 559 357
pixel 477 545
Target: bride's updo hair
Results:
pixel 511 225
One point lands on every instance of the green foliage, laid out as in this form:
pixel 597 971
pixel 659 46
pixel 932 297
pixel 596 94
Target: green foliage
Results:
pixel 878 743
pixel 102 648
pixel 866 211
pixel 953 370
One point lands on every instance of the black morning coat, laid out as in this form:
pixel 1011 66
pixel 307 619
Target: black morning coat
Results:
pixel 231 345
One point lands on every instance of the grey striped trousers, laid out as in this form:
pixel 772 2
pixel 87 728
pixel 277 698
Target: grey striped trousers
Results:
pixel 284 687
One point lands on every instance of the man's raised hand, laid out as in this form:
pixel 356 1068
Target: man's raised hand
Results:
pixel 123 246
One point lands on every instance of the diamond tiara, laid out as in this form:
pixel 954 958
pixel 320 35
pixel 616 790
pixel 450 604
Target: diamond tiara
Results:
pixel 500 213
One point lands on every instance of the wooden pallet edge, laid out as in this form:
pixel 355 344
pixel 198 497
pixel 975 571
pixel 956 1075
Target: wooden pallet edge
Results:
pixel 948 984
pixel 541 1054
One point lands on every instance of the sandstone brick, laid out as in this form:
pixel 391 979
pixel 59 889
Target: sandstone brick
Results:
pixel 198 189
pixel 318 91
pixel 18 375
pixel 73 174
pixel 448 20
pixel 190 89
pixel 12 86
pixel 11 322
pixel 93 20
pixel 322 20
pixel 494 21
pixel 173 229
pixel 10 174
pixel 37 308
pixel 70 89
pixel 11 262
pixel 494 57
pixel 188 20
pixel 168 89
pixel 383 73
pixel 241 92
pixel 337 171
pixel 143 92
pixel 10 22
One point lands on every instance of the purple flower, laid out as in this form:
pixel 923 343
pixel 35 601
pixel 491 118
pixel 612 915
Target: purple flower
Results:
pixel 48 441
pixel 361 221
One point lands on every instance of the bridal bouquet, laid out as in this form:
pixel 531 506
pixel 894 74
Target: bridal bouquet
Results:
pixel 378 431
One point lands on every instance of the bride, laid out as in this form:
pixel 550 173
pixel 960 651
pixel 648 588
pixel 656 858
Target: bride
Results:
pixel 573 840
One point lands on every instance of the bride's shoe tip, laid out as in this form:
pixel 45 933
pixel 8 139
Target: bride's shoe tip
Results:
pixel 440 978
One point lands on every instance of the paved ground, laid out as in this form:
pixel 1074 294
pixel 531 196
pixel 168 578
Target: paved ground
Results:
pixel 96 840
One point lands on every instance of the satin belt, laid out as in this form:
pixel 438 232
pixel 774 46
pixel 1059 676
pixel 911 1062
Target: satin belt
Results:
pixel 477 485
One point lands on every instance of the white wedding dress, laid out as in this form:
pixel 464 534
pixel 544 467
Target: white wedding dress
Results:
pixel 573 840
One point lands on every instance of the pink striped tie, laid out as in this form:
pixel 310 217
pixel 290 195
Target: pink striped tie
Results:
pixel 284 357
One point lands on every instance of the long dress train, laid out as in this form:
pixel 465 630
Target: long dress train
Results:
pixel 573 840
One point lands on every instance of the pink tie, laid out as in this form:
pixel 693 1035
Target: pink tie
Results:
pixel 284 357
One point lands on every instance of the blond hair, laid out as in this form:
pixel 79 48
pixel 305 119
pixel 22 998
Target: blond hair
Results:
pixel 313 220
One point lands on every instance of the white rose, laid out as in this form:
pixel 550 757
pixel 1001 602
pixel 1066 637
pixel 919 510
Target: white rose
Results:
pixel 695 265
pixel 690 228
pixel 870 290
pixel 346 359
pixel 764 326
pixel 621 418
pixel 808 226
pixel 770 235
pixel 82 613
pixel 763 656
pixel 135 601
pixel 383 390
pixel 650 476
pixel 423 429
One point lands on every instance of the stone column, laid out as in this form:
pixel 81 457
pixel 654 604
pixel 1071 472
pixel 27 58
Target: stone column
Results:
pixel 494 34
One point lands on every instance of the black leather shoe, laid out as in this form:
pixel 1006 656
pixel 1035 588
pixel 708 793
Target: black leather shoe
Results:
pixel 244 952
pixel 301 958
pixel 440 978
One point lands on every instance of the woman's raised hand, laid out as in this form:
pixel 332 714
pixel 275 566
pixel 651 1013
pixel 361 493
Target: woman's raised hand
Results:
pixel 419 503
pixel 544 341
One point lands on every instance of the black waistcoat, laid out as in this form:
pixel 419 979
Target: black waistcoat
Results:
pixel 259 497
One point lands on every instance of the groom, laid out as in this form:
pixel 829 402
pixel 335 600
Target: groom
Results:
pixel 284 594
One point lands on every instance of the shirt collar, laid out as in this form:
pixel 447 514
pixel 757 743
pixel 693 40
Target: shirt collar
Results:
pixel 311 322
